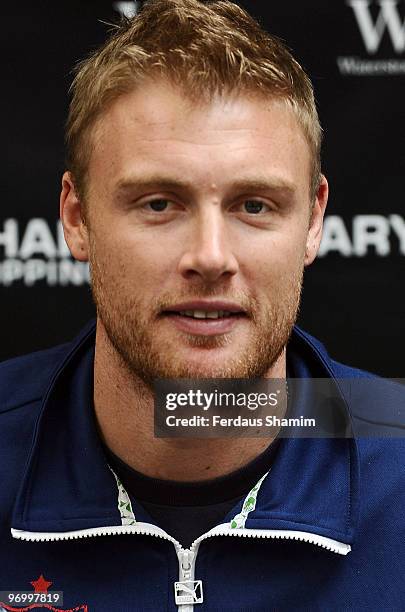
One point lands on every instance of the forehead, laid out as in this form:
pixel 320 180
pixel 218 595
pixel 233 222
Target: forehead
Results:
pixel 157 126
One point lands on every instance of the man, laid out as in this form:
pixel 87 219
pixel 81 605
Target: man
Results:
pixel 193 188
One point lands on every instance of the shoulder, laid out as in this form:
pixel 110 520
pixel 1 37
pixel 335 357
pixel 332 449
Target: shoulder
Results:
pixel 24 380
pixel 376 404
pixel 23 385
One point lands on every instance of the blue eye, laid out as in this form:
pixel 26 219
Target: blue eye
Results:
pixel 254 207
pixel 158 205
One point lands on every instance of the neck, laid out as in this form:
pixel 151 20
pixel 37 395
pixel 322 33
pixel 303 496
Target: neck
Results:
pixel 124 412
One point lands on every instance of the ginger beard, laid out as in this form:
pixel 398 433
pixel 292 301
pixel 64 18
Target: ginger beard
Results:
pixel 132 327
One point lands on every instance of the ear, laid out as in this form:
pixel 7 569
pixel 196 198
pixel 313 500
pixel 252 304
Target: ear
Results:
pixel 71 214
pixel 316 222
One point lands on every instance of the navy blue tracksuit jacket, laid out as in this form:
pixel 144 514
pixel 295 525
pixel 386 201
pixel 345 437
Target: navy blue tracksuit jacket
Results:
pixel 323 530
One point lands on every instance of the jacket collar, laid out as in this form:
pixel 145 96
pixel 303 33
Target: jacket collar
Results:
pixel 67 486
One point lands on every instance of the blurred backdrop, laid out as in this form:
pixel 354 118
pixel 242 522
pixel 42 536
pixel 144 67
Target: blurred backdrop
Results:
pixel 354 51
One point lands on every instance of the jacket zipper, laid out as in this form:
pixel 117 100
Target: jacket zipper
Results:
pixel 186 556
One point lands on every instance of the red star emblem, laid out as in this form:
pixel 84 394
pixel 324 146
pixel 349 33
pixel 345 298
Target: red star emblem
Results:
pixel 41 585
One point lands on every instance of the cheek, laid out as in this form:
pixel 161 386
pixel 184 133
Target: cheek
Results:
pixel 133 259
pixel 273 259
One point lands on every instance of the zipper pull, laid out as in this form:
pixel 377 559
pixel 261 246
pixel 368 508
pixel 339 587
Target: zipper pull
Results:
pixel 186 562
pixel 187 591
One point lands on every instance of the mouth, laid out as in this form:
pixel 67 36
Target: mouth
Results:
pixel 205 319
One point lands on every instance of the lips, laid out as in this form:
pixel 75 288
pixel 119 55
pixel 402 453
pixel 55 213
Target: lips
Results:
pixel 206 306
pixel 205 318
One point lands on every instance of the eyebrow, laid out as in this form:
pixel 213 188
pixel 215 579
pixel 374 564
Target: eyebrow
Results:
pixel 256 184
pixel 151 181
pixel 263 184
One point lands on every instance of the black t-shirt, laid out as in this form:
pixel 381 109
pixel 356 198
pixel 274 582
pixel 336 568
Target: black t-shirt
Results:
pixel 186 510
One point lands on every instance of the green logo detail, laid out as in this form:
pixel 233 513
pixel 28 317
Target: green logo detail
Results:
pixel 249 504
pixel 124 504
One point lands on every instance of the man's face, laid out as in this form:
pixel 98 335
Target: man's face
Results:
pixel 198 220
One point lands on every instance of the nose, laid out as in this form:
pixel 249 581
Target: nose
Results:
pixel 208 252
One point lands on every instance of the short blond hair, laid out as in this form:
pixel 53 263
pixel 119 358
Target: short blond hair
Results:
pixel 203 48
